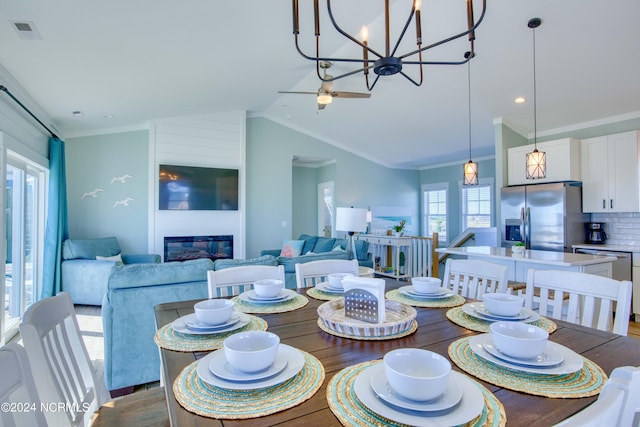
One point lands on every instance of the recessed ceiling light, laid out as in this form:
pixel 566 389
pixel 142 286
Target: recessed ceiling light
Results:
pixel 520 100
pixel 26 30
pixel 77 113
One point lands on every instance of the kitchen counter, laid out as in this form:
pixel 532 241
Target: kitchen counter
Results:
pixel 520 263
pixel 606 247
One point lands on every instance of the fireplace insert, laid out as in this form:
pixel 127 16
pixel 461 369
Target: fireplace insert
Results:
pixel 182 248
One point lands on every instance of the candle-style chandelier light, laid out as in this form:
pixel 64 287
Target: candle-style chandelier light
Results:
pixel 389 62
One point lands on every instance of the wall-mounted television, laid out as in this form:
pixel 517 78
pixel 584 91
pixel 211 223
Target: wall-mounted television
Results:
pixel 197 188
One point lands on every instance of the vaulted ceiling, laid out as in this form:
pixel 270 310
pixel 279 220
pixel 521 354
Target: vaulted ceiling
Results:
pixel 123 63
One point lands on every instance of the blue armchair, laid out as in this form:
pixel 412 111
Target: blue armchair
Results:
pixel 87 264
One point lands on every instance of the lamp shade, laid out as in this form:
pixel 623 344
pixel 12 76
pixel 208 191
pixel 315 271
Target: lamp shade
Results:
pixel 351 219
pixel 536 164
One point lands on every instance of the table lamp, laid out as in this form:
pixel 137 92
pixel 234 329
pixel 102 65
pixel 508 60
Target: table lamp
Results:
pixel 351 220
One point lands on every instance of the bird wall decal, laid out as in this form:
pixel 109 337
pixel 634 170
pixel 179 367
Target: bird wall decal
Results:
pixel 121 179
pixel 123 202
pixel 93 193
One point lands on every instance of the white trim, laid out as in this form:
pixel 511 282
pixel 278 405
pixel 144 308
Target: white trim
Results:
pixel 457 162
pixel 108 131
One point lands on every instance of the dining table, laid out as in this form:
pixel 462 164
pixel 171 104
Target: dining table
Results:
pixel 300 329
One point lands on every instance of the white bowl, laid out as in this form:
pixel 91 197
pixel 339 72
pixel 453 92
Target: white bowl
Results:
pixel 268 288
pixel 214 311
pixel 416 374
pixel 426 285
pixel 502 304
pixel 335 279
pixel 519 340
pixel 251 351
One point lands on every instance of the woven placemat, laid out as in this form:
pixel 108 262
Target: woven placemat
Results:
pixel 411 329
pixel 201 398
pixel 453 301
pixel 294 303
pixel 345 405
pixel 459 317
pixel 588 381
pixel 166 337
pixel 323 296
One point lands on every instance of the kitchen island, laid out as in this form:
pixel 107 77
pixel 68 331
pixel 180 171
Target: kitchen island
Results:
pixel 519 264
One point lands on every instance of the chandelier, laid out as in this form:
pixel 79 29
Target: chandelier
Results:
pixel 390 62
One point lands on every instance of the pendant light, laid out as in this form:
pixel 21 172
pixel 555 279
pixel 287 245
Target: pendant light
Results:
pixel 470 169
pixel 536 160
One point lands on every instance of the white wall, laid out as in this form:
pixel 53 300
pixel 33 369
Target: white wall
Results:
pixel 214 140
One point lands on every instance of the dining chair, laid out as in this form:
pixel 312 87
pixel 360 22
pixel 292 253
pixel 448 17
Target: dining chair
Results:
pixel 235 280
pixel 618 404
pixel 64 373
pixel 17 388
pixel 580 298
pixel 309 274
pixel 472 278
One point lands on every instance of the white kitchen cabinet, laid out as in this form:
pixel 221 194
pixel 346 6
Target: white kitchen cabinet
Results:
pixel 610 181
pixel 563 162
pixel 635 277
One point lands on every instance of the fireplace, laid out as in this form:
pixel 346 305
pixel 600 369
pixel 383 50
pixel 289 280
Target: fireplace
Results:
pixel 183 248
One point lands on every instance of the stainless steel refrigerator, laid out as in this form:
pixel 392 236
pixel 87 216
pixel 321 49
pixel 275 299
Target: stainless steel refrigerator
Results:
pixel 544 216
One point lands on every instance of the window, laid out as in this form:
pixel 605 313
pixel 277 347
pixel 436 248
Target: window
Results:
pixel 476 205
pixel 435 210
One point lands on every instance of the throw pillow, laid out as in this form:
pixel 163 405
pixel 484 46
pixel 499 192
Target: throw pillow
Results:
pixel 116 258
pixel 292 248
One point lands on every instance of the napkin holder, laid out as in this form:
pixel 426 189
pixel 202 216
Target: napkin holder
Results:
pixel 364 299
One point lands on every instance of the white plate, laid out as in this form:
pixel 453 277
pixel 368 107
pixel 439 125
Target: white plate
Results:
pixel 551 357
pixel 450 397
pixel 252 295
pixel 572 361
pixel 179 325
pixel 324 287
pixel 441 291
pixel 470 406
pixel 220 368
pixel 482 310
pixel 470 309
pixel 295 363
pixel 195 325
pixel 408 291
pixel 246 297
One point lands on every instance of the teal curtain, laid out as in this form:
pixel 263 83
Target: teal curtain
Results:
pixel 57 228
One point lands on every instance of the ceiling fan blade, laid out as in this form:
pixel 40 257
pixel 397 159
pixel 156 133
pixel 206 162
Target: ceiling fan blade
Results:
pixel 351 94
pixel 300 93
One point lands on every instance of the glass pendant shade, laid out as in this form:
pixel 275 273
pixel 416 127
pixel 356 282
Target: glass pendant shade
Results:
pixel 470 173
pixel 536 164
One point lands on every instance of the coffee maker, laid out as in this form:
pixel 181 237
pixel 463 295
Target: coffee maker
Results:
pixel 595 232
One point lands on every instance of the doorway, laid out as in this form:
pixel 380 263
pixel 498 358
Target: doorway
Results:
pixel 326 209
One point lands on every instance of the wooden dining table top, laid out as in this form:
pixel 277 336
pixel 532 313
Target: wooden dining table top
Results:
pixel 299 329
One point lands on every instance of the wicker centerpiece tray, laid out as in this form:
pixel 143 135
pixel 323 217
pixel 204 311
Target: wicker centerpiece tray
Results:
pixel 399 318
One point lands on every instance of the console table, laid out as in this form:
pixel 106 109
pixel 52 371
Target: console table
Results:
pixel 389 249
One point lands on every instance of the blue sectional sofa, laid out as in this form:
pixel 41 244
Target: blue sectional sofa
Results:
pixel 131 356
pixel 317 248
pixel 84 276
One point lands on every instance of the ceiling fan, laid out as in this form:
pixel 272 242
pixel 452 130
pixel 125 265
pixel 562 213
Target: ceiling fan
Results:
pixel 325 94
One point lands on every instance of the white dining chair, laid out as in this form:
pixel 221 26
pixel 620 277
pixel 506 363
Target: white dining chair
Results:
pixel 309 274
pixel 580 298
pixel 618 404
pixel 17 388
pixel 472 278
pixel 235 280
pixel 65 375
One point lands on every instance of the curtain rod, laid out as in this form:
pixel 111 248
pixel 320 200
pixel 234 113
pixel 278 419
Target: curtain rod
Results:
pixel 5 90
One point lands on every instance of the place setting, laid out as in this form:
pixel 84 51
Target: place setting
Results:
pixel 254 368
pixel 329 290
pixel 519 356
pixel 364 313
pixel 411 386
pixel 494 307
pixel 211 323
pixel 426 292
pixel 269 296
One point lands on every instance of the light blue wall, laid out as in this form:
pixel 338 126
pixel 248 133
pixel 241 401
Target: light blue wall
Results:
pixel 305 188
pixel 358 182
pixel 92 162
pixel 453 176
